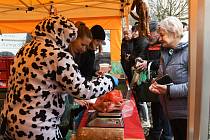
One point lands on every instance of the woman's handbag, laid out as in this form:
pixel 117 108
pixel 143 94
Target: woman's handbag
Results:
pixel 141 91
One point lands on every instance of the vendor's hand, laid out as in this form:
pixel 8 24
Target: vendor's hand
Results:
pixel 157 88
pixel 141 66
pixel 82 102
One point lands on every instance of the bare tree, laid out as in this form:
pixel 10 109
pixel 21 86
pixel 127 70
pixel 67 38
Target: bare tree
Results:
pixel 160 9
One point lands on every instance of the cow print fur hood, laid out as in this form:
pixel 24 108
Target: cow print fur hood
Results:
pixel 56 30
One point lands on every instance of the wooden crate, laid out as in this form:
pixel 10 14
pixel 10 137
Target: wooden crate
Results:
pixel 96 133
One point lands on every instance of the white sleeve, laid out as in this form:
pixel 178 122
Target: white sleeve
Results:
pixel 69 78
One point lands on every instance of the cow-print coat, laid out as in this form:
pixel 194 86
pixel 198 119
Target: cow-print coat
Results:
pixel 42 75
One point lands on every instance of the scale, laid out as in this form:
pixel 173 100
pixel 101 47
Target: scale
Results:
pixel 106 120
pixel 102 126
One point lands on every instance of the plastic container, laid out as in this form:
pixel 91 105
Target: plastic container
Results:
pixel 128 107
pixel 104 67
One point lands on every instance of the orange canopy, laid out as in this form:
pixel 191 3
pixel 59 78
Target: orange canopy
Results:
pixel 22 15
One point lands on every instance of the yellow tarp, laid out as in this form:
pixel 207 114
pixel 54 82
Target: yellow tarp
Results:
pixel 22 15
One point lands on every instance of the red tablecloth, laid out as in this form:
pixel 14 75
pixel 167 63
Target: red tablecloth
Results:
pixel 132 125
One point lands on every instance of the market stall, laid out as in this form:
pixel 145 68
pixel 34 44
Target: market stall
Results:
pixel 17 16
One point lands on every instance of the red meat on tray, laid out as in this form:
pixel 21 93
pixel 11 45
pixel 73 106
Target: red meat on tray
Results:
pixel 109 102
pixel 114 96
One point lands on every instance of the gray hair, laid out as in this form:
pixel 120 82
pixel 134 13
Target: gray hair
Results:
pixel 173 25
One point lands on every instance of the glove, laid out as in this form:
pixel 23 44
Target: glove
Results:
pixel 114 79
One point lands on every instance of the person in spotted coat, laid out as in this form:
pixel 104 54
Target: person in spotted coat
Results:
pixel 43 73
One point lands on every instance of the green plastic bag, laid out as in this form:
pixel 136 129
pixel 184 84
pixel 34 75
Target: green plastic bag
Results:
pixel 142 91
pixel 142 77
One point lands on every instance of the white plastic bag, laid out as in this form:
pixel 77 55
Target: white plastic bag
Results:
pixel 128 107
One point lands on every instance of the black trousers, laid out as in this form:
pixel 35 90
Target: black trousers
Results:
pixel 179 128
pixel 126 65
pixel 161 126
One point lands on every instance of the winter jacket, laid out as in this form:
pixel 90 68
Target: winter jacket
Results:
pixel 175 64
pixel 139 47
pixel 153 55
pixel 126 49
pixel 86 64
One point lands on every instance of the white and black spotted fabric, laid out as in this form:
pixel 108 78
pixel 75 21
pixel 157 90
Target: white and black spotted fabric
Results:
pixel 42 75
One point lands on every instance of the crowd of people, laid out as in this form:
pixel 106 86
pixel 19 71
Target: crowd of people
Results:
pixel 57 65
pixel 166 51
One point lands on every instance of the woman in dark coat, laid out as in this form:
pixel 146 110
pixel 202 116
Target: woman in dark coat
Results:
pixel 126 54
pixel 87 59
